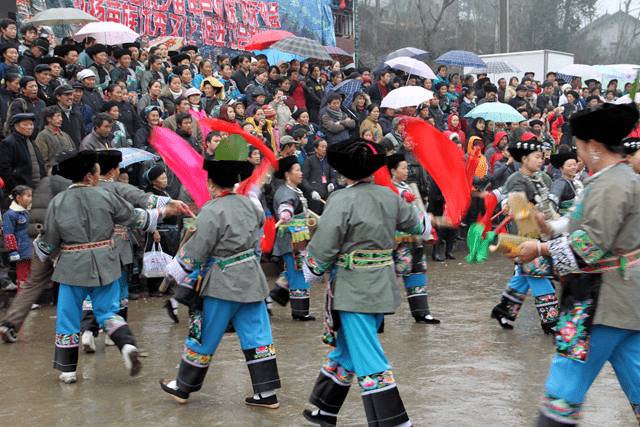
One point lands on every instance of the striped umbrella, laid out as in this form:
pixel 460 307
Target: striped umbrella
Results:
pixel 461 58
pixel 497 112
pixel 302 47
pixel 340 55
pixel 348 87
pixel 496 67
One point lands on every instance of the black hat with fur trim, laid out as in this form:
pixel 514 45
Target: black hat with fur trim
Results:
pixel 227 173
pixel 607 123
pixel 108 159
pixel 75 165
pixel 284 165
pixel 558 160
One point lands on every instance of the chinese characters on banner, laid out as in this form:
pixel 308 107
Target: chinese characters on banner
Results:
pixel 216 23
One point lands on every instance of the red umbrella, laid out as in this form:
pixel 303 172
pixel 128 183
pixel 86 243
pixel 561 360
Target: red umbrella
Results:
pixel 266 39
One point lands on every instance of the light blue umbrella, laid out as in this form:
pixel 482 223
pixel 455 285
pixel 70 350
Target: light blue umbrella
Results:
pixel 496 67
pixel 135 155
pixel 497 112
pixel 461 58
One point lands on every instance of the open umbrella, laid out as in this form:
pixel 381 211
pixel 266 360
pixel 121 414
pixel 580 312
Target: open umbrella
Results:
pixel 61 16
pixel 412 66
pixel 135 155
pixel 348 88
pixel 340 55
pixel 172 43
pixel 411 52
pixel 407 96
pixel 107 33
pixel 461 58
pixel 581 70
pixel 497 112
pixel 265 39
pixel 496 67
pixel 302 47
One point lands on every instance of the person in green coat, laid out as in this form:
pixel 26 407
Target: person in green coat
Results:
pixel 355 241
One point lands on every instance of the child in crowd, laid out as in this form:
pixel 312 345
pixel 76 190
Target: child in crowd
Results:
pixel 16 239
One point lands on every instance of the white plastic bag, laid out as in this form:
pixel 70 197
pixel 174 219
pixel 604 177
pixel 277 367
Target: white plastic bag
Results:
pixel 154 262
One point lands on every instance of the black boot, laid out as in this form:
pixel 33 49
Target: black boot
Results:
pixel 382 403
pixel 508 307
pixel 300 305
pixel 435 255
pixel 547 306
pixel 450 239
pixel 322 420
pixel 419 305
pixel 280 292
pixel 330 390
pixel 449 255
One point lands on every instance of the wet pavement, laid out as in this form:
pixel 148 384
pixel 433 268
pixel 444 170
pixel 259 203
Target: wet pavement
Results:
pixel 465 372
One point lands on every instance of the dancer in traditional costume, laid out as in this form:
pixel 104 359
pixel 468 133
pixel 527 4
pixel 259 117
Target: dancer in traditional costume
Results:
pixel 596 248
pixel 292 238
pixel 563 191
pixel 230 287
pixel 109 161
pixel 409 255
pixel 534 275
pixel 355 240
pixel 81 222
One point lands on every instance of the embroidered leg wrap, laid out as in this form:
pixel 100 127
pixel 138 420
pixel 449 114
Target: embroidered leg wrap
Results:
pixel 332 387
pixel 509 304
pixel 119 331
pixel 89 322
pixel 381 399
pixel 558 412
pixel 66 355
pixel 418 302
pixel 547 306
pixel 263 369
pixel 280 292
pixel 636 410
pixel 193 369
pixel 299 301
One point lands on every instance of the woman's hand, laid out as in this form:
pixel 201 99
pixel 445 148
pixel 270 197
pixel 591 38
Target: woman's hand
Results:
pixel 527 251
pixel 156 236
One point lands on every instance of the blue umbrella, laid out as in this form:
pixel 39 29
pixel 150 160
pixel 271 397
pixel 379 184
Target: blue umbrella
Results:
pixel 348 88
pixel 461 58
pixel 411 52
pixel 135 155
pixel 497 112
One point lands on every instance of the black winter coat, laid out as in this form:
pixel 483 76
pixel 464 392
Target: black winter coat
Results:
pixel 15 161
pixel 73 126
pixel 92 99
pixel 36 107
pixel 129 117
pixel 28 62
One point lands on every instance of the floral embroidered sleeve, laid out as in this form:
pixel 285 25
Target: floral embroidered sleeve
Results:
pixel 157 202
pixel 147 220
pixel 43 249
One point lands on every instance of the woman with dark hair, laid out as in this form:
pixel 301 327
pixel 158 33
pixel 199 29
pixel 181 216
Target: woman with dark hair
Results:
pixel 291 210
pixel 151 98
pixel 371 122
pixel 477 128
pixel 171 92
pixel 274 80
pixel 359 106
pixel 153 73
pixel 9 91
pixel 314 93
pixel 259 85
pixel 128 115
pixel 205 69
pixel 335 79
pixel 9 64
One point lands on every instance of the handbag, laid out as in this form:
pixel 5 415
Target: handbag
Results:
pixel 154 262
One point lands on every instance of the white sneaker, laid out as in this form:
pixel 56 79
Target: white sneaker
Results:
pixel 108 340
pixel 68 377
pixel 88 342
pixel 130 357
pixel 35 306
pixel 11 287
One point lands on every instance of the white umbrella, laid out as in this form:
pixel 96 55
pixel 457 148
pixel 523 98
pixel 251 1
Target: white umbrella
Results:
pixel 627 99
pixel 411 66
pixel 407 96
pixel 107 33
pixel 61 16
pixel 581 70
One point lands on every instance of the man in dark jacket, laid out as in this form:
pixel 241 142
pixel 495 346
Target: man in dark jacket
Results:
pixel 30 58
pixel 20 159
pixel 28 102
pixel 243 76
pixel 318 178
pixel 516 101
pixel 547 97
pixel 381 88
pixel 129 117
pixel 42 73
pixel 72 120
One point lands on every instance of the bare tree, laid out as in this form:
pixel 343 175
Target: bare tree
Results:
pixel 430 22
